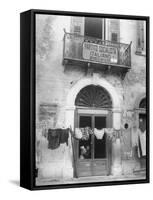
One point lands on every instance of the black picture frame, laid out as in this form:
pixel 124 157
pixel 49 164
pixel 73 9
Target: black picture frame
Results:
pixel 28 98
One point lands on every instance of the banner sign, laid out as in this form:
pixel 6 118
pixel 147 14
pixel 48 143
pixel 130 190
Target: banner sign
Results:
pixel 100 53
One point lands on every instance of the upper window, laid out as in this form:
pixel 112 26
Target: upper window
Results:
pixel 140 37
pixel 93 27
pixel 100 28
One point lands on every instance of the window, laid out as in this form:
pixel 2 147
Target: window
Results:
pixel 94 27
pixel 140 37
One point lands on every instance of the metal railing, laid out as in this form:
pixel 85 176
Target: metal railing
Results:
pixel 74 50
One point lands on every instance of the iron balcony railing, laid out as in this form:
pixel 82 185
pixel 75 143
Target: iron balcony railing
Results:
pixel 94 50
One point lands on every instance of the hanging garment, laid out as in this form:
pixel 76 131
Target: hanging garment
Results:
pixel 126 143
pixel 53 138
pixel 99 133
pixel 135 132
pixel 78 133
pixel 142 137
pixel 109 132
pixel 88 130
pixel 117 133
pixel 126 139
pixel 85 133
pixel 64 135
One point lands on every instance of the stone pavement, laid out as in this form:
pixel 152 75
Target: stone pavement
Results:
pixel 90 179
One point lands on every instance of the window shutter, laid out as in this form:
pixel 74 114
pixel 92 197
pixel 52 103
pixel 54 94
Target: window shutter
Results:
pixel 77 25
pixel 114 30
pixel 140 36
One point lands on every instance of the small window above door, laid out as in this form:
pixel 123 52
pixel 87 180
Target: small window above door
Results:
pixel 94 97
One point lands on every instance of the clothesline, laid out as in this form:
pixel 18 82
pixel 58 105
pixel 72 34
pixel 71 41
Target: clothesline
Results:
pixel 84 133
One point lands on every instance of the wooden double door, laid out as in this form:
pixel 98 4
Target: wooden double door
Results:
pixel 92 155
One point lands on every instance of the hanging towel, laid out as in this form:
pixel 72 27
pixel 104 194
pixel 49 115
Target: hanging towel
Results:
pixel 64 135
pixel 78 133
pixel 53 138
pixel 142 138
pixel 99 133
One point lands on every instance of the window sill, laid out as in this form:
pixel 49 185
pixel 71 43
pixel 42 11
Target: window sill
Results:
pixel 142 53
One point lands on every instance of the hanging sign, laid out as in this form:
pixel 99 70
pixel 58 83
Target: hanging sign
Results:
pixel 100 53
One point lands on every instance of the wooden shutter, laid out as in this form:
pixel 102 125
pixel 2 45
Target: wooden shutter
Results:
pixel 77 25
pixel 140 36
pixel 114 30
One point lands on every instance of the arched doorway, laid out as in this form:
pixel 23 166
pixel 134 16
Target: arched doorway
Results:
pixel 93 109
pixel 114 113
pixel 140 111
pixel 142 115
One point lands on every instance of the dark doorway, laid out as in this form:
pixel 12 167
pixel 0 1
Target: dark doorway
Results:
pixel 92 153
pixel 142 122
pixel 100 145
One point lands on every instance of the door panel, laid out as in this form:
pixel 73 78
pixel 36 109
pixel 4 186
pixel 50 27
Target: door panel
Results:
pixel 92 157
pixel 99 167
pixel 84 164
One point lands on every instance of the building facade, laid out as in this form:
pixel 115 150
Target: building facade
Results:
pixel 90 72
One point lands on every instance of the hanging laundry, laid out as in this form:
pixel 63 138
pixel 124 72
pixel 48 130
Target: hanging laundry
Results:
pixel 85 133
pixel 53 138
pixel 109 132
pixel 126 143
pixel 142 137
pixel 117 133
pixel 126 139
pixel 99 133
pixel 135 132
pixel 78 133
pixel 88 130
pixel 64 135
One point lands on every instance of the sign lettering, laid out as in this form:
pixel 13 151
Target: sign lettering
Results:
pixel 100 53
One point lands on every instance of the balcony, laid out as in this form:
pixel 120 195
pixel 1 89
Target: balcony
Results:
pixel 89 51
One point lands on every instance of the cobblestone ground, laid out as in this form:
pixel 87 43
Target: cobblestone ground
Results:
pixel 90 179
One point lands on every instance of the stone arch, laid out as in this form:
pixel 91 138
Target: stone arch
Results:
pixel 93 81
pixel 138 100
pixel 99 81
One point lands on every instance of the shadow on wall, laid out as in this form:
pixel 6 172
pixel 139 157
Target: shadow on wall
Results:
pixel 15 182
